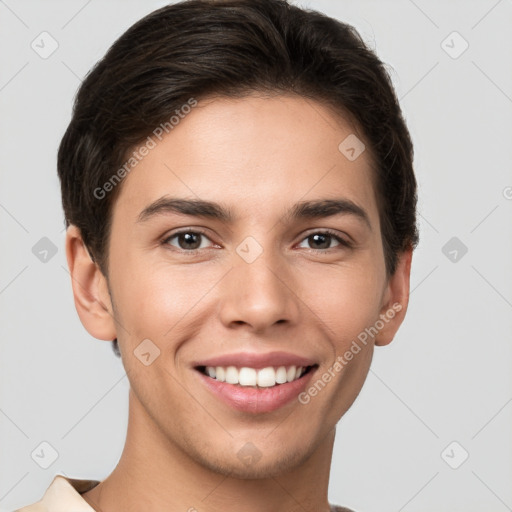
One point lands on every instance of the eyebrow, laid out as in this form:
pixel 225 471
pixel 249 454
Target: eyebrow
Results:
pixel 327 208
pixel 315 209
pixel 195 207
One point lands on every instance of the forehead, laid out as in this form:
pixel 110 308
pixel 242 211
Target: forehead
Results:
pixel 262 150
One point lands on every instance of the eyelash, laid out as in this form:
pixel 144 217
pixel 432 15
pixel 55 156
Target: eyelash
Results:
pixel 333 234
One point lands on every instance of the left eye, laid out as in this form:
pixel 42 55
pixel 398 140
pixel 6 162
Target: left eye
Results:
pixel 188 240
pixel 322 241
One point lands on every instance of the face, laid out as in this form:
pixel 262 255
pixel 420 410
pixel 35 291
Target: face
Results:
pixel 246 247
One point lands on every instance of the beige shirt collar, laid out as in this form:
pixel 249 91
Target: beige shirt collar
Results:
pixel 63 495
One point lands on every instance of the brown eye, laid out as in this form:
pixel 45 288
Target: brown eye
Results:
pixel 323 241
pixel 187 240
pixel 320 241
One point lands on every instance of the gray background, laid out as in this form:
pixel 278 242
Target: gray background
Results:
pixel 445 378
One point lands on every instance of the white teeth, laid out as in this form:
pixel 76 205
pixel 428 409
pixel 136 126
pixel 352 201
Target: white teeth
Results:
pixel 231 375
pixel 247 377
pixel 220 373
pixel 281 375
pixel 264 378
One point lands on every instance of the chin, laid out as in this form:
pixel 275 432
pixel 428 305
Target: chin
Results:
pixel 249 463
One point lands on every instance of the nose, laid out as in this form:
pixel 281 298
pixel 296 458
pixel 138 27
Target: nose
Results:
pixel 259 295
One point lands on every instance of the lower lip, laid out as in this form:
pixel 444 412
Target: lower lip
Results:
pixel 256 400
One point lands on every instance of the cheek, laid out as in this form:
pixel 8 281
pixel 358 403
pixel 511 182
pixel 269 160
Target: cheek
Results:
pixel 160 299
pixel 347 303
pixel 346 299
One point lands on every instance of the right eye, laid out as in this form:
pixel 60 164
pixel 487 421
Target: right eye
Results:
pixel 187 240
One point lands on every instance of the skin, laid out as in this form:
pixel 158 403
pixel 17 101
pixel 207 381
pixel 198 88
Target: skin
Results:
pixel 256 156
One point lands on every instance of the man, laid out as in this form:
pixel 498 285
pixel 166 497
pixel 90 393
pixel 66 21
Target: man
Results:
pixel 240 199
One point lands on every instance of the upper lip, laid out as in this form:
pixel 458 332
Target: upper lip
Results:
pixel 255 360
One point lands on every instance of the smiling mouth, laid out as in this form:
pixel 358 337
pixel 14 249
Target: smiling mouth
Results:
pixel 271 376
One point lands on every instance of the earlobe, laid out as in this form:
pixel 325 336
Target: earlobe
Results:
pixel 90 288
pixel 396 300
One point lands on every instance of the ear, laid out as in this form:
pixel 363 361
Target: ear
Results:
pixel 395 299
pixel 90 288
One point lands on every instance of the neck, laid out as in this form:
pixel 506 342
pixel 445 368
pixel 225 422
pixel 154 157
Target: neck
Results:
pixel 154 474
